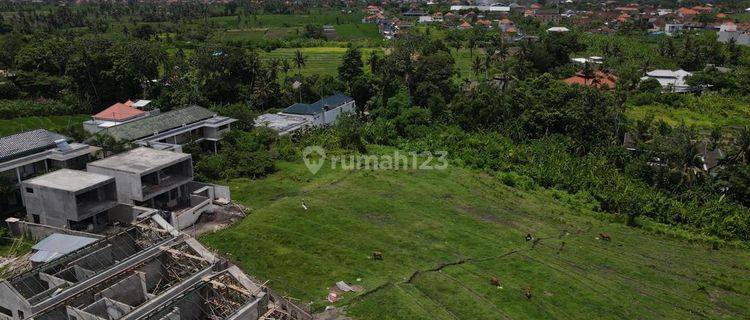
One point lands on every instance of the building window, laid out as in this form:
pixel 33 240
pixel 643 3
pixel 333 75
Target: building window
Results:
pixel 29 190
pixel 6 312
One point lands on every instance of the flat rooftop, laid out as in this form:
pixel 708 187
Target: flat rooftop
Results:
pixel 282 123
pixel 140 160
pixel 69 180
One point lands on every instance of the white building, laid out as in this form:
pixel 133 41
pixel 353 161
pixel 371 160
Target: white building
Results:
pixel 490 8
pixel 591 60
pixel 671 81
pixel 426 19
pixel 558 29
pixel 302 115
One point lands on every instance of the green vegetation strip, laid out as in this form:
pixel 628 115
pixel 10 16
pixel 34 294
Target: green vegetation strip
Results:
pixel 53 123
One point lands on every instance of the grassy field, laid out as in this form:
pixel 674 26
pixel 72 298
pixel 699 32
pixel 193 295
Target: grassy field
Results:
pixel 314 17
pixel 345 32
pixel 53 123
pixel 319 60
pixel 421 220
pixel 707 111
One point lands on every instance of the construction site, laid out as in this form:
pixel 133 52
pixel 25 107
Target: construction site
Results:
pixel 149 270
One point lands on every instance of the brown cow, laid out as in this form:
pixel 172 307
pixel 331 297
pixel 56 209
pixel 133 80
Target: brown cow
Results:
pixel 527 292
pixel 605 236
pixel 495 281
pixel 377 255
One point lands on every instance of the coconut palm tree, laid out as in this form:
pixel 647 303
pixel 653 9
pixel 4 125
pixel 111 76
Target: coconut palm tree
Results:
pixel 285 67
pixel 476 66
pixel 299 61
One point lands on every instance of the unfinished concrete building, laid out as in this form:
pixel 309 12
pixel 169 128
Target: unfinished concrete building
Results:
pixel 28 154
pixel 148 177
pixel 161 180
pixel 147 271
pixel 72 199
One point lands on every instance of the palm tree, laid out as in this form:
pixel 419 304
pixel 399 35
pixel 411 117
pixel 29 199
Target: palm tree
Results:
pixel 299 61
pixel 472 43
pixel 476 66
pixel 285 66
pixel 742 143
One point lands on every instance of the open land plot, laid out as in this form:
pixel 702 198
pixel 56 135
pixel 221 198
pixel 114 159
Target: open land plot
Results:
pixel 421 220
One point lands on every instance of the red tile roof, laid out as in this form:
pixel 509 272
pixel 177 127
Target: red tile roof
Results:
pixel 687 12
pixel 599 79
pixel 119 112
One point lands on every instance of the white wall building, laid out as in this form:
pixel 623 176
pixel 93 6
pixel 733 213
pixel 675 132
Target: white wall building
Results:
pixel 302 115
pixel 671 81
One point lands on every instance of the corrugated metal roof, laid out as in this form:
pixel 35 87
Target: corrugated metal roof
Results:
pixel 26 143
pixel 57 245
pixel 148 126
pixel 333 101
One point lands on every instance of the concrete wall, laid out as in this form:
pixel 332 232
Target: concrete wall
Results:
pixel 128 184
pixel 35 231
pixel 218 191
pixel 215 133
pixel 332 115
pixel 131 290
pixel 186 218
pixel 53 206
pixel 741 37
pixel 10 299
pixel 80 314
pixel 252 311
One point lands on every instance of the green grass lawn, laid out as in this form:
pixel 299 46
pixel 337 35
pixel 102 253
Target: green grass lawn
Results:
pixel 52 123
pixel 422 219
pixel 354 32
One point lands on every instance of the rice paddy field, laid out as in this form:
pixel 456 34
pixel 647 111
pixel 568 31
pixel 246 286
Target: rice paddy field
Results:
pixel 53 123
pixel 445 234
pixel 345 32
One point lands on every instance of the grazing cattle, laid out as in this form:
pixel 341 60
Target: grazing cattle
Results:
pixel 527 292
pixel 605 236
pixel 377 255
pixel 529 237
pixel 495 281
